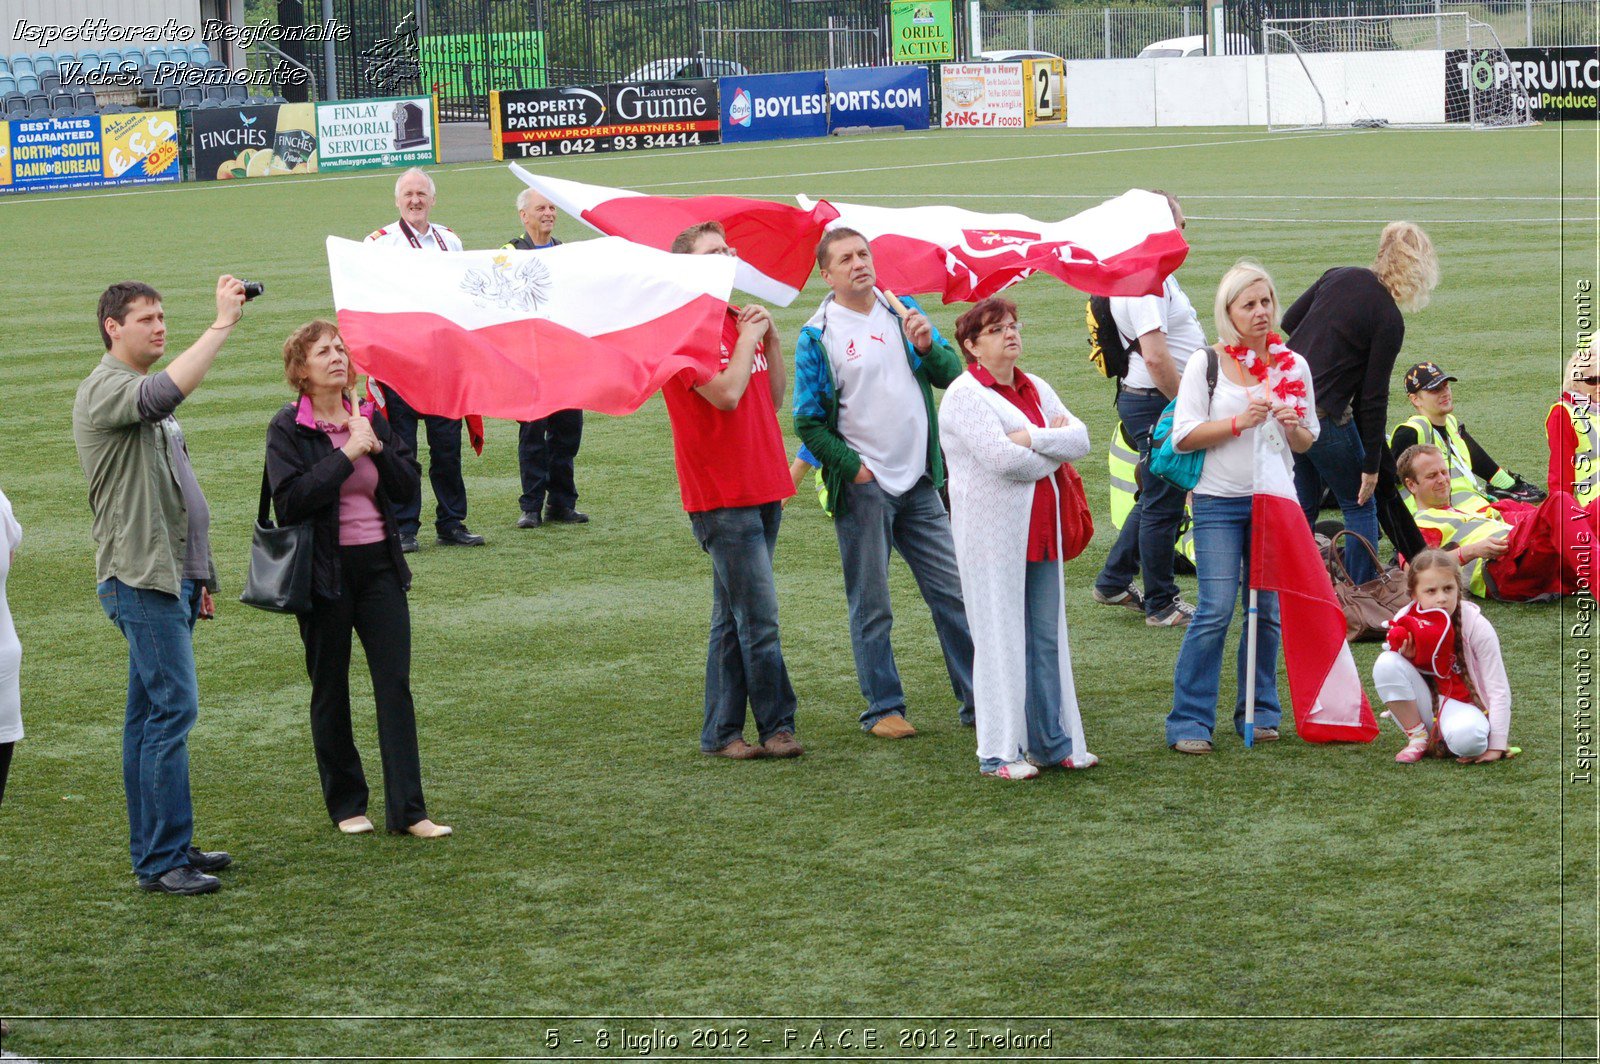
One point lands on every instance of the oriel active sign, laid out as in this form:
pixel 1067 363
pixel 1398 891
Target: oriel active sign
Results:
pixel 922 30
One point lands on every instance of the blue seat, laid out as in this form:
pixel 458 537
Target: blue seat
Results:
pixel 237 93
pixel 156 55
pixel 168 97
pixel 38 107
pixel 5 65
pixel 63 103
pixel 43 64
pixel 21 64
pixel 216 92
pixel 8 85
pixel 13 105
pixel 112 58
pixel 200 55
pixel 190 97
pixel 50 83
pixel 90 60
pixel 27 83
pixel 179 53
pixel 87 103
pixel 134 56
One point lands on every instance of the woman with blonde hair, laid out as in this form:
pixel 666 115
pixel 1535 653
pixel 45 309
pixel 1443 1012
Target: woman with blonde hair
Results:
pixel 1349 328
pixel 337 466
pixel 1571 430
pixel 1262 408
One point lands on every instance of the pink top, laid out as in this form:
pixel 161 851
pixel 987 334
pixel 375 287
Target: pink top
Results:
pixel 360 522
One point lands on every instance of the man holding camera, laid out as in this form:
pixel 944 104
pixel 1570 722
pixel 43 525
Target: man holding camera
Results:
pixel 153 562
pixel 414 195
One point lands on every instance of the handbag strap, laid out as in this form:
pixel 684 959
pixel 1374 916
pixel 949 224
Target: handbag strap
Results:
pixel 1372 551
pixel 262 518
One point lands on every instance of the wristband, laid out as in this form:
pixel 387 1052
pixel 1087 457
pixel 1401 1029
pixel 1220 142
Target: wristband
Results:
pixel 1233 425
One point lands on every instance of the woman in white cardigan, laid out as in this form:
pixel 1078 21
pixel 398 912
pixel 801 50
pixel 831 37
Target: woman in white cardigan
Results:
pixel 1005 435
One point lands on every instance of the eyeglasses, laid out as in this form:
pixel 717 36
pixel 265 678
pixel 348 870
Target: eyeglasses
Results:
pixel 997 329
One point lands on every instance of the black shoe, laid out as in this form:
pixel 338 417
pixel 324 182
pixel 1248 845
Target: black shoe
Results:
pixel 183 880
pixel 530 519
pixel 460 536
pixel 208 860
pixel 566 515
pixel 408 544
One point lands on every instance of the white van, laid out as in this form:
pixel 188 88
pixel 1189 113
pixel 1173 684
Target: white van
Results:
pixel 1174 47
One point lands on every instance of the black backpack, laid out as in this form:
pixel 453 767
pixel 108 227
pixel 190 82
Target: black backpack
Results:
pixel 1107 350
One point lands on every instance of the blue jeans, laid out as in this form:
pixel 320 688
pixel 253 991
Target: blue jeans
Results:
pixel 744 662
pixel 1222 559
pixel 919 529
pixel 1336 459
pixel 1149 534
pixel 1048 741
pixel 163 702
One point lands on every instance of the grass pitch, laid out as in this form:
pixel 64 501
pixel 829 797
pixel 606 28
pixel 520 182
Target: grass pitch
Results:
pixel 610 884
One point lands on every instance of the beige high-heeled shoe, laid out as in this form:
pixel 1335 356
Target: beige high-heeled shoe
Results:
pixel 356 825
pixel 427 829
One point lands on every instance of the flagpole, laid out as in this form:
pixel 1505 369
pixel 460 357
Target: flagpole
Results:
pixel 1250 671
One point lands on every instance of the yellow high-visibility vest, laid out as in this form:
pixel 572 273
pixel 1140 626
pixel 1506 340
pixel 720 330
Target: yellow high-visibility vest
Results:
pixel 1123 461
pixel 1463 528
pixel 1586 460
pixel 1466 489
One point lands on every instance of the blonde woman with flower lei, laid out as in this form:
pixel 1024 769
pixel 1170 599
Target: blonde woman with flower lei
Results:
pixel 1262 403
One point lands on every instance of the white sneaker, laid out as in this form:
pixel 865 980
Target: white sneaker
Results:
pixel 1177 615
pixel 1013 770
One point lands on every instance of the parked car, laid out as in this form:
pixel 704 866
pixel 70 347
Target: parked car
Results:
pixel 687 67
pixel 1173 47
pixel 1012 55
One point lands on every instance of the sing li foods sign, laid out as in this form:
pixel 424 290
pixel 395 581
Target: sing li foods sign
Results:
pixel 922 30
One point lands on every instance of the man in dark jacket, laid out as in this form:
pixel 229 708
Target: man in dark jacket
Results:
pixel 547 449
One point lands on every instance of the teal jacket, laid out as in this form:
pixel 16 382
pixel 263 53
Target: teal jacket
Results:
pixel 816 402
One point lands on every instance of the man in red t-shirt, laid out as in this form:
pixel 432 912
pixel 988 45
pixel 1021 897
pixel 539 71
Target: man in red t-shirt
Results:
pixel 733 473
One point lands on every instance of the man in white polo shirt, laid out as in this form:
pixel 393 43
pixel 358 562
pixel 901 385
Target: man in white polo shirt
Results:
pixel 864 373
pixel 414 195
pixel 1164 332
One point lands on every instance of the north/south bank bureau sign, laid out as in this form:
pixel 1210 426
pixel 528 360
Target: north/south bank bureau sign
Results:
pixel 627 116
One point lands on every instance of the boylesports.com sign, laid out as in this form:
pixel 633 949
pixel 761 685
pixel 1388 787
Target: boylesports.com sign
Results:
pixel 813 104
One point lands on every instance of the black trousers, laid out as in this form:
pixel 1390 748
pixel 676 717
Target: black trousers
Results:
pixel 1396 520
pixel 373 606
pixel 444 467
pixel 6 750
pixel 545 452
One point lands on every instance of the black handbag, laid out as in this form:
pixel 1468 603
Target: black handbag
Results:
pixel 280 563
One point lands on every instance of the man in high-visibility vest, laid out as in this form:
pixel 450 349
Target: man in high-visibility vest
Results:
pixel 1517 555
pixel 1476 480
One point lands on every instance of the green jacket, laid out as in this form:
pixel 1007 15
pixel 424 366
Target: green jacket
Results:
pixel 816 403
pixel 141 525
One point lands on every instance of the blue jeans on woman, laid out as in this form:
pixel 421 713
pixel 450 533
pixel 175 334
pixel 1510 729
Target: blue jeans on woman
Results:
pixel 744 660
pixel 1150 531
pixel 1048 741
pixel 163 703
pixel 1222 559
pixel 1336 459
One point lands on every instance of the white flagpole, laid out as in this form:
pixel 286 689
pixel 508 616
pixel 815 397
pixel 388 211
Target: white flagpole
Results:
pixel 1250 672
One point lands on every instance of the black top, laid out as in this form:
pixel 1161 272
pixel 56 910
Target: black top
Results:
pixel 1483 467
pixel 525 243
pixel 1349 330
pixel 305 471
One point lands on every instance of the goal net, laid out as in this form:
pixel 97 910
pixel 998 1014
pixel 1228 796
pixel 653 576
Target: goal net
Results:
pixel 1445 70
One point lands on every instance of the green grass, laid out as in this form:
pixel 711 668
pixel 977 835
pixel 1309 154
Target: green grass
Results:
pixel 1294 900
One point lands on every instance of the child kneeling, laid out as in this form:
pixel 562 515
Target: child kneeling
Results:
pixel 1442 677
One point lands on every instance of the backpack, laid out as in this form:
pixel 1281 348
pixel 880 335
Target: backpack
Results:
pixel 1180 468
pixel 1107 350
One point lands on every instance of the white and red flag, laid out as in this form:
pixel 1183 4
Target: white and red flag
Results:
pixel 1126 246
pixel 597 325
pixel 777 243
pixel 1330 705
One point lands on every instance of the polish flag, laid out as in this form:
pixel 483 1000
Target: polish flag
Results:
pixel 597 325
pixel 1126 246
pixel 1330 705
pixel 777 243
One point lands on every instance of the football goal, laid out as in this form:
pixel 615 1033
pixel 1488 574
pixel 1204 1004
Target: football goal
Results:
pixel 1445 70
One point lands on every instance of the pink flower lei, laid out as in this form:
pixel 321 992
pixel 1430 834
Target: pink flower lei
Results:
pixel 1274 374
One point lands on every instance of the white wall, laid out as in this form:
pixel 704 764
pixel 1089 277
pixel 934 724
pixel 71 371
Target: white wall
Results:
pixel 1233 91
pixel 76 12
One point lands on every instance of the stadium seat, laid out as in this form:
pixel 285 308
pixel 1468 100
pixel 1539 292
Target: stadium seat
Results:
pixel 134 56
pixel 8 85
pixel 38 107
pixel 216 92
pixel 191 97
pixel 147 79
pixel 179 53
pixel 63 103
pixel 44 64
pixel 156 55
pixel 13 105
pixel 90 60
pixel 28 84
pixel 236 93
pixel 211 103
pixel 50 83
pixel 86 102
pixel 200 55
pixel 168 97
pixel 20 65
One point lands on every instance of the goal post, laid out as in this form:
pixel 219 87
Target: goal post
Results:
pixel 1446 70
